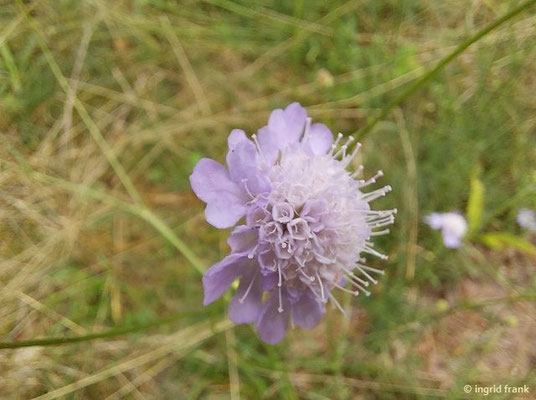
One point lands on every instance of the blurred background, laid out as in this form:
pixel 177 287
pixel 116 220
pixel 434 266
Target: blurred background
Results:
pixel 95 93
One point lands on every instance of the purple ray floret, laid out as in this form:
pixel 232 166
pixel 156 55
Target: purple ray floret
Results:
pixel 305 222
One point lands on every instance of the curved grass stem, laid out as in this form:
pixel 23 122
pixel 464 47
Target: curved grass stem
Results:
pixel 419 83
pixel 58 341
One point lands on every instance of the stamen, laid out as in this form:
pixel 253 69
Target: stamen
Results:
pixel 321 287
pixel 344 147
pixel 351 275
pixel 245 182
pixel 349 159
pixel 315 292
pixel 258 146
pixel 354 292
pixel 307 129
pixel 358 171
pixel 368 197
pixel 380 233
pixel 251 254
pixel 370 250
pixel 360 288
pixel 378 271
pixel 372 180
pixel 381 213
pixel 338 305
pixel 280 309
pixel 368 276
pixel 382 222
pixel 311 278
pixel 241 300
pixel 377 218
pixel 334 145
pixel 280 283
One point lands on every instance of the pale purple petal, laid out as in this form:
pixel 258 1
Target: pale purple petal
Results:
pixel 453 227
pixel 243 239
pixel 210 179
pixel 451 240
pixel 269 144
pixel 272 324
pixel 224 213
pixel 267 259
pixel 246 303
pixel 308 311
pixel 434 220
pixel 282 212
pixel 320 139
pixel 236 136
pixel 269 280
pixel 526 218
pixel 257 216
pixel 284 127
pixel 289 123
pixel 226 201
pixel 242 160
pixel 221 275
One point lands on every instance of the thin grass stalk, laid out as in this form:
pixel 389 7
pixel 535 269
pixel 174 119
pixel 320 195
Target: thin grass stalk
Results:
pixel 419 83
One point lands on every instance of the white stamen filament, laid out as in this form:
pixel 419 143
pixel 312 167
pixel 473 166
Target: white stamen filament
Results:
pixel 370 196
pixel 352 276
pixel 280 309
pixel 380 233
pixel 354 292
pixel 370 250
pixel 245 182
pixel 258 146
pixel 321 287
pixel 357 172
pixel 372 180
pixel 334 145
pixel 251 254
pixel 377 271
pixel 348 160
pixel 338 305
pixel 241 300
pixel 307 129
pixel 381 222
pixel 359 287
pixel 367 275
pixel 344 147
pixel 311 278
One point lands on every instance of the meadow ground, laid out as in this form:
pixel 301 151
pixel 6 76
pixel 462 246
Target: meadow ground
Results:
pixel 120 99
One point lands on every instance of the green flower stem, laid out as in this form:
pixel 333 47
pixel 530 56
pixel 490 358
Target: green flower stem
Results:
pixel 464 305
pixel 440 65
pixel 59 341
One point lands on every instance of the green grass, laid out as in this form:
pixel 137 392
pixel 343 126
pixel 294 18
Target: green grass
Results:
pixel 91 89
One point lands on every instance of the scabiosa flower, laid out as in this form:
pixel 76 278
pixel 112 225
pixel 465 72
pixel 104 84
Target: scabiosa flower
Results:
pixel 527 219
pixel 305 222
pixel 453 227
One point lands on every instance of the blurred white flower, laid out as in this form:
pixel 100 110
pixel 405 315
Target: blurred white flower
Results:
pixel 527 219
pixel 453 227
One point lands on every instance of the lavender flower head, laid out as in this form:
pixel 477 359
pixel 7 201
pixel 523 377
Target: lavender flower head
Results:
pixel 527 219
pixel 453 227
pixel 305 222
